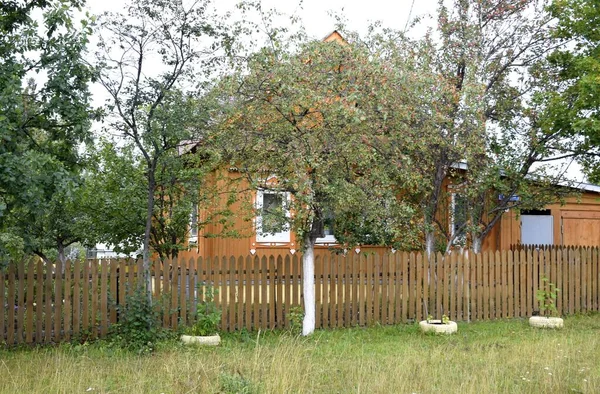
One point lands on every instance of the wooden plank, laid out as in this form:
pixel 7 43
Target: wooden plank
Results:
pixel 249 284
pixel 384 289
pixel 264 293
pixel 522 310
pixel 39 301
pixel 287 290
pixel 67 296
pixel 566 264
pixel 369 289
pixel 595 278
pixel 362 290
pixel 113 265
pixel 20 302
pixel 319 292
pixel 376 288
pixel 10 324
pixel 104 298
pixel 479 286
pixel 418 302
pixel 130 277
pixel 391 261
pixel 439 286
pixel 510 284
pixel 486 285
pixel 325 291
pixel 460 286
pixel 272 292
pixel 183 292
pixel 340 290
pixel 167 269
pixel 122 284
pixel 58 301
pixel 277 275
pixel 256 293
pixel 94 298
pixel 497 286
pixel 537 273
pixel 193 290
pixel 332 291
pixel 452 281
pixel 504 284
pixel 174 286
pixel 347 262
pixel 466 295
pixel 578 268
pixel 297 283
pixel 405 284
pixel 238 299
pixel 355 289
pixel 529 284
pixel 571 280
pixel 412 280
pixel 588 279
pixel 559 276
pixel 3 302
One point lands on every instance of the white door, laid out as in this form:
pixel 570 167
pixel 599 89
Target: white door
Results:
pixel 537 230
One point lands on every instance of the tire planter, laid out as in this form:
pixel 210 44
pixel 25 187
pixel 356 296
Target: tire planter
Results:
pixel 437 327
pixel 545 322
pixel 211 340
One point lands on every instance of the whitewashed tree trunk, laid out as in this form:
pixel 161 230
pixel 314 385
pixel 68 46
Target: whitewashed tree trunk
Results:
pixel 476 243
pixel 308 274
pixel 430 242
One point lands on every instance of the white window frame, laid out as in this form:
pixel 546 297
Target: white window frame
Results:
pixel 280 237
pixel 193 235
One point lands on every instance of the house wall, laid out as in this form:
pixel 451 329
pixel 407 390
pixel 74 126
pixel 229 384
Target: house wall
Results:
pixel 577 222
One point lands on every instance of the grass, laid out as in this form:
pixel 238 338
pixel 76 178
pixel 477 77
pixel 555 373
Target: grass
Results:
pixel 487 357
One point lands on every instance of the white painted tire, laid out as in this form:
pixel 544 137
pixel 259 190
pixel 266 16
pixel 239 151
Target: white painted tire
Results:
pixel 437 327
pixel 545 322
pixel 211 340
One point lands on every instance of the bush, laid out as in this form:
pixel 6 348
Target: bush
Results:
pixel 139 327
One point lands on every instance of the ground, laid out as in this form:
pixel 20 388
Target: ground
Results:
pixel 485 357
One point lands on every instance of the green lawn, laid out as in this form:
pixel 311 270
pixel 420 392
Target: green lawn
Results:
pixel 492 357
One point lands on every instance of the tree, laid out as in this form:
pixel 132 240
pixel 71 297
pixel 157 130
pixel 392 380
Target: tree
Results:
pixel 572 108
pixel 298 122
pixel 153 58
pixel 42 123
pixel 484 69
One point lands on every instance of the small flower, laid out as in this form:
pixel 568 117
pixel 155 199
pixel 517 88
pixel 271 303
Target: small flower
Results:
pixel 550 373
pixel 585 380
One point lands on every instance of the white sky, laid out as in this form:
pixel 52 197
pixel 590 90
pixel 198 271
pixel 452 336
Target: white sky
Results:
pixel 314 13
pixel 316 18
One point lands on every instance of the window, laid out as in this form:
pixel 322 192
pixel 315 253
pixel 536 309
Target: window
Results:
pixel 328 237
pixel 458 218
pixel 193 238
pixel 272 223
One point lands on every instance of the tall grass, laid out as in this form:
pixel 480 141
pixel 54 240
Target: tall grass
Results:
pixel 487 357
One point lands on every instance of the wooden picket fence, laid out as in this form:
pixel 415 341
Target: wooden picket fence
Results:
pixel 50 303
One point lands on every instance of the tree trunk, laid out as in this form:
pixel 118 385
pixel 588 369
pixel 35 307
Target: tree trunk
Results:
pixel 430 242
pixel 61 255
pixel 308 274
pixel 146 252
pixel 476 242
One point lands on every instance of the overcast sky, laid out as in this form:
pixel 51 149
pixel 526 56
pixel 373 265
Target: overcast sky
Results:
pixel 314 13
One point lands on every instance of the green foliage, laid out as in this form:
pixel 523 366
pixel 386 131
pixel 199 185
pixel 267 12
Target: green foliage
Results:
pixel 547 298
pixel 572 108
pixel 295 317
pixel 139 328
pixel 236 384
pixel 208 316
pixel 43 122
